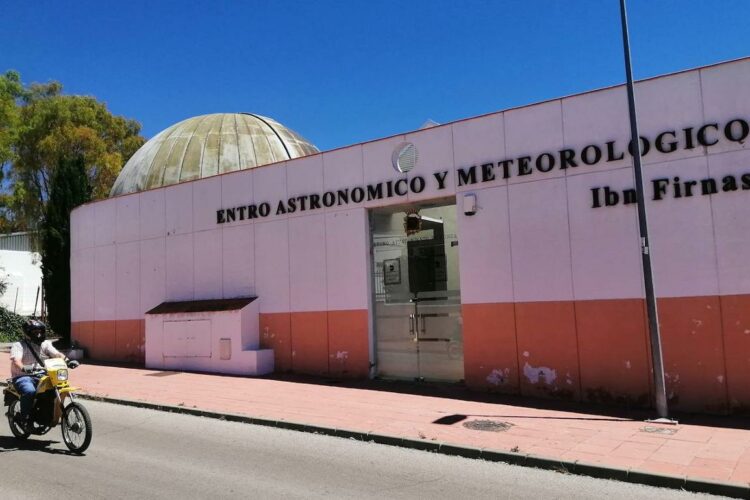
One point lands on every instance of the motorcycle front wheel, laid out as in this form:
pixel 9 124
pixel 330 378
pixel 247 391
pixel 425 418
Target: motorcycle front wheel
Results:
pixel 76 427
pixel 14 417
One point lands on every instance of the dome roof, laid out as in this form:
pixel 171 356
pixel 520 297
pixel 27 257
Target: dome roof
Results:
pixel 208 145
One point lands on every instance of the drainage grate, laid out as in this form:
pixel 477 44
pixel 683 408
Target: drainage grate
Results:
pixel 488 425
pixel 658 430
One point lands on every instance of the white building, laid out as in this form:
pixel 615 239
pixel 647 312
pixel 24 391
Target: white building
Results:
pixel 21 269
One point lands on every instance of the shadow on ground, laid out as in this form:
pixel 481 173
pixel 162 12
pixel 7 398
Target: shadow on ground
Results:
pixel 9 443
pixel 588 410
pixel 458 391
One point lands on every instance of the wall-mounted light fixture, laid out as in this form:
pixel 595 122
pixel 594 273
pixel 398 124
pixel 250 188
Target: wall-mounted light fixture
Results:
pixel 412 222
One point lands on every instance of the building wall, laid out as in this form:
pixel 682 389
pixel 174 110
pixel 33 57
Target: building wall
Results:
pixel 22 272
pixel 560 282
pixel 165 244
pixel 551 287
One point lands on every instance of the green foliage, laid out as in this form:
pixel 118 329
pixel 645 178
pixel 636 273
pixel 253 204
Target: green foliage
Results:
pixel 10 326
pixel 69 187
pixel 10 91
pixel 38 127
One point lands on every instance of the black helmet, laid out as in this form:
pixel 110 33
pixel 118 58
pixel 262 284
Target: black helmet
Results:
pixel 34 330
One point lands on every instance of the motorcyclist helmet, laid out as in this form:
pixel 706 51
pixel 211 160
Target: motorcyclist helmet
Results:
pixel 34 330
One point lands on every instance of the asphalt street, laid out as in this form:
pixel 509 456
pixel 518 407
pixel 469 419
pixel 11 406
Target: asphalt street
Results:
pixel 138 453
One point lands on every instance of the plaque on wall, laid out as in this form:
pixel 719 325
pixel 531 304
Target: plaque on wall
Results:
pixel 392 272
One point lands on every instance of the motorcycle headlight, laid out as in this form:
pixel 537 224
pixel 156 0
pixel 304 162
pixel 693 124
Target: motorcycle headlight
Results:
pixel 62 374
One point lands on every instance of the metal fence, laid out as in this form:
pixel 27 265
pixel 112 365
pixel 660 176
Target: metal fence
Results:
pixel 20 242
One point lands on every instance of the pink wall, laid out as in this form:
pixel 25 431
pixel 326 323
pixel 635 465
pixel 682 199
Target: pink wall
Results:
pixel 547 281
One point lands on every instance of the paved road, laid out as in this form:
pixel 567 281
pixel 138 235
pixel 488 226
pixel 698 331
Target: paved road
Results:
pixel 140 453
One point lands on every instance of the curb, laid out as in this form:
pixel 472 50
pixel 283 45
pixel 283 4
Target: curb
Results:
pixel 685 483
pixel 577 467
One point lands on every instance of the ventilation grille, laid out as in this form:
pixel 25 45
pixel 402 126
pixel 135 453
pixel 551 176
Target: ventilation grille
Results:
pixel 405 157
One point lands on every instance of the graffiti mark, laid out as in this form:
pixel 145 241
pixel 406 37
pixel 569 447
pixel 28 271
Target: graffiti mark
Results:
pixel 498 376
pixel 540 374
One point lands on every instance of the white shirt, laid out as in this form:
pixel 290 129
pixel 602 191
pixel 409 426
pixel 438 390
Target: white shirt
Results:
pixel 17 351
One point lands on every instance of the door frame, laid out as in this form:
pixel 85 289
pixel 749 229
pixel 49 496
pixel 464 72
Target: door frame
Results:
pixel 372 323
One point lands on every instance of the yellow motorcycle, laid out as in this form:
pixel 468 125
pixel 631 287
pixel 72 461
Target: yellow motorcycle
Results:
pixel 53 404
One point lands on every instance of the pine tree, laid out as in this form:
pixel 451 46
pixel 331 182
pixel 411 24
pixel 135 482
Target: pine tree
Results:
pixel 69 187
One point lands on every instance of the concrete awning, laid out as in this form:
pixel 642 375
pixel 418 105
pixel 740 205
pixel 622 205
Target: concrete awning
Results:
pixel 192 306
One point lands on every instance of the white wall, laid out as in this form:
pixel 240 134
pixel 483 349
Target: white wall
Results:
pixel 22 272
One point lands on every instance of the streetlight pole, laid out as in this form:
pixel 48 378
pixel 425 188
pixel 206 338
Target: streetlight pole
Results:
pixel 648 277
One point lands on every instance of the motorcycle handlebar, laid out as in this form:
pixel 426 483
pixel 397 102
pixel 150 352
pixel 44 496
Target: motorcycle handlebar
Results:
pixel 38 371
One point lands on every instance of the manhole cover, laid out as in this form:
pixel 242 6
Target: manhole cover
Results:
pixel 488 425
pixel 658 430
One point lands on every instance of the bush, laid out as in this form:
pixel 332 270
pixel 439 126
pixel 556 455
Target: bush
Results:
pixel 10 326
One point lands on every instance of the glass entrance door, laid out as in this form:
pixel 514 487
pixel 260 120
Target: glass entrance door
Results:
pixel 417 299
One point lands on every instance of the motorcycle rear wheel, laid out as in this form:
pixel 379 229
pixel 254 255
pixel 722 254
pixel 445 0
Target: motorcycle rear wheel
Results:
pixel 76 427
pixel 15 409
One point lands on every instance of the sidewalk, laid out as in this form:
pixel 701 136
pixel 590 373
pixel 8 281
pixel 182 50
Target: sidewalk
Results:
pixel 703 449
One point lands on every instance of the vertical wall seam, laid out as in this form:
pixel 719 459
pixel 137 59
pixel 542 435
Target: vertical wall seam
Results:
pixel 510 255
pixel 117 266
pixel 93 291
pixel 141 338
pixel 254 275
pixel 325 267
pixel 572 271
pixel 222 231
pixel 722 329
pixel 285 219
pixel 192 233
pixel 458 260
pixel 369 282
pixel 164 254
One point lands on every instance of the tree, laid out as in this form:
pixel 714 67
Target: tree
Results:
pixel 68 188
pixel 11 90
pixel 47 126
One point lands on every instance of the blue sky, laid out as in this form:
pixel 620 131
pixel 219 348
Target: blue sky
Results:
pixel 343 72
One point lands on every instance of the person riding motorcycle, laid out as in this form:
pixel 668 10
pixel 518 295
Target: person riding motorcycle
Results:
pixel 24 361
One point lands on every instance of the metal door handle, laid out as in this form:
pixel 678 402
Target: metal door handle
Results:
pixel 416 327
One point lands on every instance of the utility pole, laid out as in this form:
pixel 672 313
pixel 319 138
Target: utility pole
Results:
pixel 648 277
